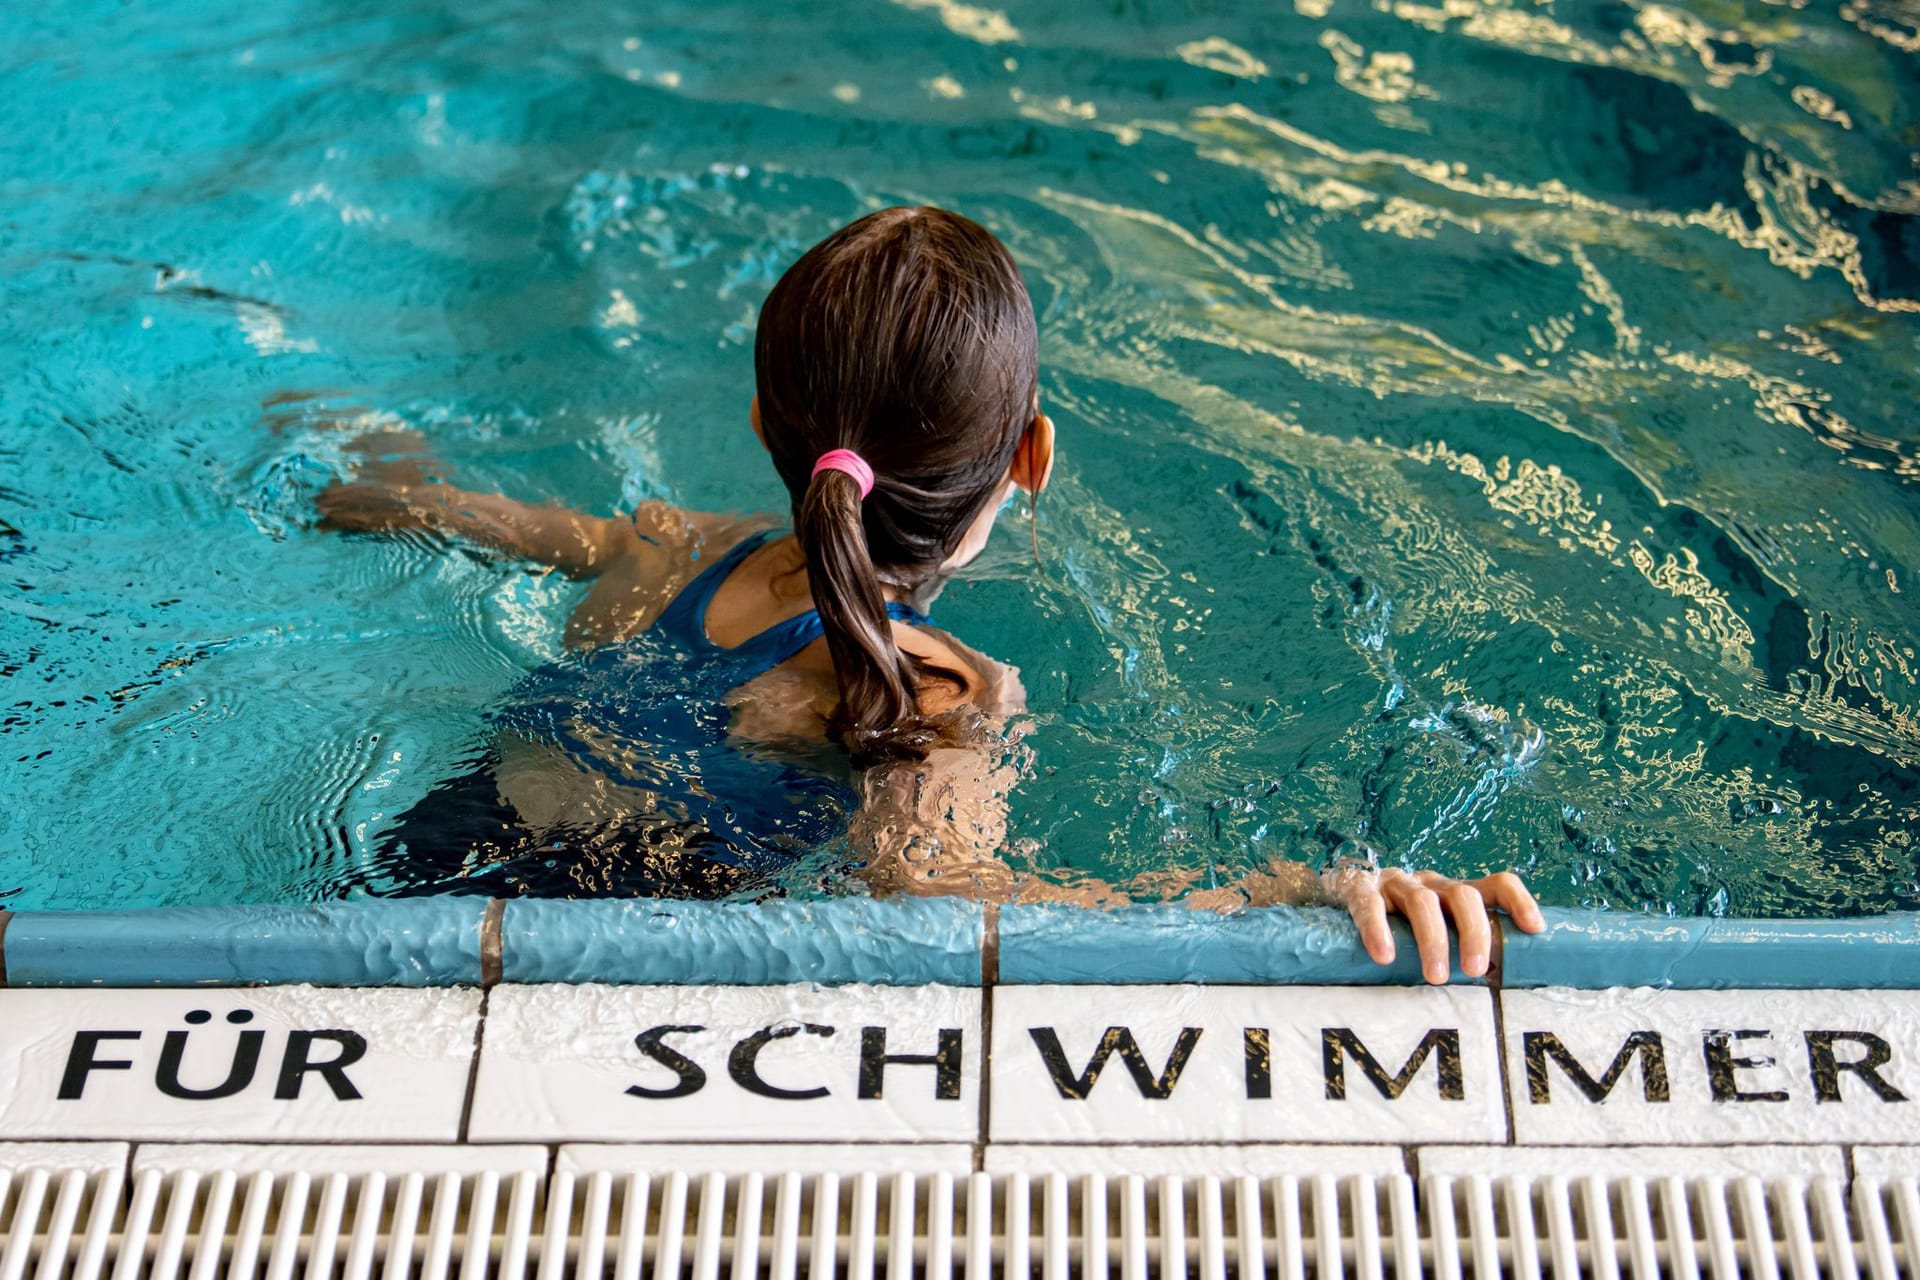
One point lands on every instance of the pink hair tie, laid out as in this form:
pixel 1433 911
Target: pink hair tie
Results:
pixel 850 462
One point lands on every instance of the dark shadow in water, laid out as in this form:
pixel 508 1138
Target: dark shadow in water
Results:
pixel 462 838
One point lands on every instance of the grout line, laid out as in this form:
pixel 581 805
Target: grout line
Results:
pixel 989 978
pixel 990 945
pixel 1496 987
pixel 1848 1171
pixel 473 1071
pixel 1497 953
pixel 6 918
pixel 1506 1080
pixel 492 943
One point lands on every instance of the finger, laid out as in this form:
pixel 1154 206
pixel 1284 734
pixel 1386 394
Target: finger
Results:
pixel 1469 912
pixel 1421 907
pixel 1369 912
pixel 1506 891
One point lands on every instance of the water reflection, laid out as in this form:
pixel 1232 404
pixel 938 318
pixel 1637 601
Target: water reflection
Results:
pixel 1487 427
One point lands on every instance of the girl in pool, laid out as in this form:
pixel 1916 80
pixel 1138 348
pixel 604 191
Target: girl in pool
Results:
pixel 737 695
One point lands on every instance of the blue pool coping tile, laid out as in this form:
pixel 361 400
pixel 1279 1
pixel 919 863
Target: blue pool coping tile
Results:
pixel 1593 949
pixel 415 942
pixel 453 941
pixel 1052 943
pixel 897 941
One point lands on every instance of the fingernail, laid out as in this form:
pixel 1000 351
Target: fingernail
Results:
pixel 1473 965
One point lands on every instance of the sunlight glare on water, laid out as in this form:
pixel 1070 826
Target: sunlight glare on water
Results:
pixel 1487 426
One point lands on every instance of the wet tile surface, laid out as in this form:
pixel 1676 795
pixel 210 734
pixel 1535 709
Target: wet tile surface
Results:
pixel 730 1064
pixel 1244 1064
pixel 1713 1066
pixel 91 1156
pixel 884 1158
pixel 276 1063
pixel 1625 1162
pixel 1225 1160
pixel 320 1160
pixel 1886 1162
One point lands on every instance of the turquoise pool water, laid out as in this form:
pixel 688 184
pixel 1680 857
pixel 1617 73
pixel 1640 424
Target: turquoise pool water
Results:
pixel 1487 428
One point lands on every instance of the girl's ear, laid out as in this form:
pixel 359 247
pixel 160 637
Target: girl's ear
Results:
pixel 1033 460
pixel 753 416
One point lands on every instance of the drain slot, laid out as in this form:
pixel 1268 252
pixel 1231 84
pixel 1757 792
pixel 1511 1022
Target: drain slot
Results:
pixel 475 1213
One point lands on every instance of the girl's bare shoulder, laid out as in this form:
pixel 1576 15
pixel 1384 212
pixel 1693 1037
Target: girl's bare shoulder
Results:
pixel 661 548
pixel 795 699
pixel 683 535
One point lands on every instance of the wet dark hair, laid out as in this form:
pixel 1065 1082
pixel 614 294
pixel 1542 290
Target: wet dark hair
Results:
pixel 909 338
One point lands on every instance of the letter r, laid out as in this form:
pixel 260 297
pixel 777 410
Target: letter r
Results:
pixel 299 1061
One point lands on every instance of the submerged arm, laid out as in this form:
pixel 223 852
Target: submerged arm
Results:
pixel 389 494
pixel 935 827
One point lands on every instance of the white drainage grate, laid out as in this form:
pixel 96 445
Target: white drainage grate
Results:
pixel 60 1204
pixel 71 1212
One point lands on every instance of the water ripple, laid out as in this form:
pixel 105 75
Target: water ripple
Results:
pixel 1486 427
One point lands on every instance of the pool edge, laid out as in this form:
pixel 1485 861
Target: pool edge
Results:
pixel 479 942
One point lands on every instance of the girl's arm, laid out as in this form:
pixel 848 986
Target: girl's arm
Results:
pixel 935 827
pixel 405 493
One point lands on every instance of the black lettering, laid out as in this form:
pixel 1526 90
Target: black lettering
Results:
pixel 1337 1042
pixel 246 1060
pixel 1259 1052
pixel 742 1063
pixel 1539 1046
pixel 80 1061
pixel 297 1062
pixel 1826 1068
pixel 1721 1065
pixel 1116 1040
pixel 693 1078
pixel 945 1061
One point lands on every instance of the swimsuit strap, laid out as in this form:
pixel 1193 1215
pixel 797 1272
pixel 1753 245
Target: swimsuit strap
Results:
pixel 685 619
pixel 783 640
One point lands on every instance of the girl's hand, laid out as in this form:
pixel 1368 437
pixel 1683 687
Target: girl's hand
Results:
pixel 1426 899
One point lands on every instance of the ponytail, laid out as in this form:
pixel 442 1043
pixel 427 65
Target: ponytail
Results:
pixel 879 716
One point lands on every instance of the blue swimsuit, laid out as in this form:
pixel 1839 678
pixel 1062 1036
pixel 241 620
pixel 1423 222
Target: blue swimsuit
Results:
pixel 649 713
pixel 684 622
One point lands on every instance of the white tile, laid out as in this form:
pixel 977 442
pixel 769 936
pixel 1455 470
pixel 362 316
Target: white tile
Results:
pixel 665 1064
pixel 1623 1162
pixel 89 1157
pixel 1886 1162
pixel 351 1158
pixel 378 1064
pixel 1222 1160
pixel 769 1158
pixel 1185 1064
pixel 1726 1066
